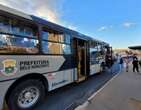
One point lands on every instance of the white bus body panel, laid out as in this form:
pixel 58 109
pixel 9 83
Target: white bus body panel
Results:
pixel 94 69
pixel 24 64
pixel 21 65
pixel 59 79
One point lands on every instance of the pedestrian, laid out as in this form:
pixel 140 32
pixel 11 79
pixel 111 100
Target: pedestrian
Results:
pixel 135 64
pixel 140 63
pixel 121 63
pixel 127 63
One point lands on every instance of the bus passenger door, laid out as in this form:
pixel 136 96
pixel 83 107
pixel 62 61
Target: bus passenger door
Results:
pixel 80 58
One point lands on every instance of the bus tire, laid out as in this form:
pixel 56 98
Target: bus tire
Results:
pixel 27 95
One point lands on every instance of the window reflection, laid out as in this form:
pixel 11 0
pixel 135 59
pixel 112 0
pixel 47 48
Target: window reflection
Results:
pixel 56 37
pixel 96 53
pixel 61 38
pixel 55 48
pixel 45 47
pixel 55 43
pixel 4 25
pixel 66 49
pixel 13 26
pixel 13 44
pixel 93 56
pixel 45 35
pixel 67 38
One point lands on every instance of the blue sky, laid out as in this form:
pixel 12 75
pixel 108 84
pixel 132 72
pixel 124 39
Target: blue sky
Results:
pixel 116 21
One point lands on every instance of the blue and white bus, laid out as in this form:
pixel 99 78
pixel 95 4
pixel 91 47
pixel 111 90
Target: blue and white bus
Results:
pixel 37 56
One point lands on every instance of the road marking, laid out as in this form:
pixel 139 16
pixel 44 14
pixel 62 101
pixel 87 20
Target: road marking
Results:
pixel 91 97
pixel 82 107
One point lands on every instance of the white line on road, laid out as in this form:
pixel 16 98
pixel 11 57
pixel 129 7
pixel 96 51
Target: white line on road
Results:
pixel 82 107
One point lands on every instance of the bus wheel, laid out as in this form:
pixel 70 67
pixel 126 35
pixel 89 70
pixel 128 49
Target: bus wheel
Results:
pixel 26 95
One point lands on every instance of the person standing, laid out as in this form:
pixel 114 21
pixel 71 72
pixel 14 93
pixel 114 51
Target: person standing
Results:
pixel 140 62
pixel 127 63
pixel 135 64
pixel 121 63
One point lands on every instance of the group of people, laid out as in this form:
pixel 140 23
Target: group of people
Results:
pixel 126 61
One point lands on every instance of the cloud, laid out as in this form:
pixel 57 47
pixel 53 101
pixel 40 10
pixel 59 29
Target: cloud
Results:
pixel 49 9
pixel 128 24
pixel 103 28
pixel 72 27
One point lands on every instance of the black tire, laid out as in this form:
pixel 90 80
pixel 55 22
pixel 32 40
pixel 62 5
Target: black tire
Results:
pixel 13 99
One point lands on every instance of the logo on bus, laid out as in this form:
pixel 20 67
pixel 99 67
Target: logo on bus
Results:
pixel 9 67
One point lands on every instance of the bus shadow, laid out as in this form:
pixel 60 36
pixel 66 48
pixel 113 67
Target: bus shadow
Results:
pixel 72 95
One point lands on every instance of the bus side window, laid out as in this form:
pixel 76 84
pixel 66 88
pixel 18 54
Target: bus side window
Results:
pixel 45 35
pixel 4 25
pixel 13 44
pixel 67 39
pixel 66 49
pixel 45 47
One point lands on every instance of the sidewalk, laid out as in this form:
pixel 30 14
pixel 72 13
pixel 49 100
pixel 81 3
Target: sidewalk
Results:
pixel 123 92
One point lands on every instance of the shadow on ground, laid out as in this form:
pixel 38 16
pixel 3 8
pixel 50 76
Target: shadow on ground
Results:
pixel 69 97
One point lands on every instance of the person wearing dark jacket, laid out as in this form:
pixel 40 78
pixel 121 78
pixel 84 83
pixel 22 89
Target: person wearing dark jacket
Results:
pixel 121 64
pixel 135 64
pixel 140 63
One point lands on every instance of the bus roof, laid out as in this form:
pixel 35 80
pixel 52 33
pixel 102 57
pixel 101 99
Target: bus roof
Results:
pixel 75 34
pixel 60 28
pixel 14 12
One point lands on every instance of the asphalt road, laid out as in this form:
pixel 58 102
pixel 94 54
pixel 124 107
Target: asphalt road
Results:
pixel 121 93
pixel 69 97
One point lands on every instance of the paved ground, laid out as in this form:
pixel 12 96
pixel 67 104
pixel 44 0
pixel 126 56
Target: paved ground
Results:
pixel 121 93
pixel 69 97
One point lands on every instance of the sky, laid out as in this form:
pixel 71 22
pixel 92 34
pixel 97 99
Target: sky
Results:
pixel 117 22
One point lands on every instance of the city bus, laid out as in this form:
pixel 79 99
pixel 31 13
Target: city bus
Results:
pixel 37 56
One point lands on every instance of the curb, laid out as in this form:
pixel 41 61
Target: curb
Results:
pixel 81 107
